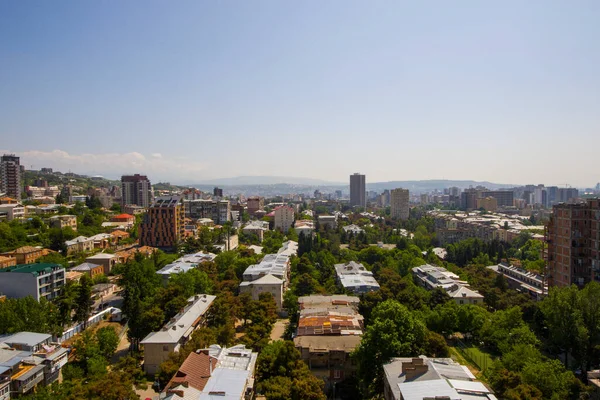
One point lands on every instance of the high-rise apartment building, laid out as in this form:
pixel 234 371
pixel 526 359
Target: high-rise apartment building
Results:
pixel 217 210
pixel 10 176
pixel 505 198
pixel 217 192
pixel 399 199
pixel 284 218
pixel 358 195
pixel 163 224
pixel 573 237
pixel 136 190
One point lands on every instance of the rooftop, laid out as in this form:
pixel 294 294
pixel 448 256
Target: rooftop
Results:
pixel 225 384
pixel 328 343
pixel 36 269
pixel 24 250
pixel 183 322
pixel 195 370
pixel 30 339
pixel 86 266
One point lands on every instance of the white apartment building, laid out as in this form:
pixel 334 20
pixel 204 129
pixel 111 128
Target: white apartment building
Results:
pixel 284 218
pixel 35 280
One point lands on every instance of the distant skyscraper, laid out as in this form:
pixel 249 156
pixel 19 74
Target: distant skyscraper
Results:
pixel 10 176
pixel 399 199
pixel 358 190
pixel 217 192
pixel 136 189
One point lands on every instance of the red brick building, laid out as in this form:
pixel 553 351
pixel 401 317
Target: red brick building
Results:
pixel 573 238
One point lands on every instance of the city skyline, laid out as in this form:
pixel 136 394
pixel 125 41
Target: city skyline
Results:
pixel 496 92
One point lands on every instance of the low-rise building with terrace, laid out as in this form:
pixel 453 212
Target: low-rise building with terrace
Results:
pixel 431 277
pixel 329 329
pixel 522 280
pixel 176 333
pixel 80 244
pixel 92 270
pixel 420 378
pixel 355 277
pixel 25 254
pixel 63 221
pixel 107 260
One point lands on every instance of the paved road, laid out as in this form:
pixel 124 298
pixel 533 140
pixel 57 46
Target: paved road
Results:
pixel 112 300
pixel 279 329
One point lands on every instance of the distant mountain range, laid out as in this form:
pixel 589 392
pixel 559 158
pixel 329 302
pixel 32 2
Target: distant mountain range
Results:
pixel 282 185
pixel 266 180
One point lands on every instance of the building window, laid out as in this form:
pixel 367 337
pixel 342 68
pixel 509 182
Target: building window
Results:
pixel 165 348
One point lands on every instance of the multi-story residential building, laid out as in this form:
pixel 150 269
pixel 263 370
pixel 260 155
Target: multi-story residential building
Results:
pixel 504 198
pixel 35 280
pixel 216 371
pixel 327 222
pixel 50 356
pixel 329 329
pixel 522 280
pixel 184 264
pixel 489 203
pixel 6 262
pixel 25 254
pixel 163 224
pixel 217 210
pixel 257 228
pixel 136 190
pixel 176 333
pixel 63 221
pixel 355 277
pixel 431 277
pixel 399 199
pixel 358 190
pixel 271 275
pixel 420 378
pixel 283 218
pixel 468 199
pixel 265 284
pixel 12 211
pixel 79 244
pixel 304 227
pixel 10 176
pixel 573 237
pixel 255 204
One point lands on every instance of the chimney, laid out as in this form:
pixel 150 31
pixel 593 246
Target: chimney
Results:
pixel 414 368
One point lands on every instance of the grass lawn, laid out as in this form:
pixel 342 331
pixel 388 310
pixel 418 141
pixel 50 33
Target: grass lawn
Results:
pixel 479 357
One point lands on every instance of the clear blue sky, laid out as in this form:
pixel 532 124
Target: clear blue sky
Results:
pixel 505 91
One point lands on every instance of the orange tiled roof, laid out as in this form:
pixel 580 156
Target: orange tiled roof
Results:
pixel 123 216
pixel 23 250
pixel 195 370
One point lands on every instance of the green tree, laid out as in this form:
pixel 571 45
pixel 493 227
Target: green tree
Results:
pixel 84 300
pixel 393 332
pixel 108 341
pixel 564 320
pixel 281 374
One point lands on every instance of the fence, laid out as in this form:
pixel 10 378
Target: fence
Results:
pixel 475 355
pixel 69 333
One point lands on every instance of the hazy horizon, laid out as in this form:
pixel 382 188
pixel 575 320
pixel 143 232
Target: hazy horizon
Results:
pixel 506 92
